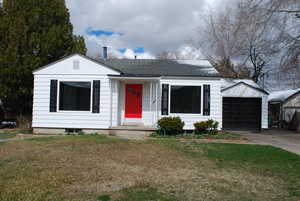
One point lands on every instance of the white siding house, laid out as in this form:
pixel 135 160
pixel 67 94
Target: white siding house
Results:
pixel 96 96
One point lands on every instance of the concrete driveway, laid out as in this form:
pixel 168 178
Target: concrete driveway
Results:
pixel 278 138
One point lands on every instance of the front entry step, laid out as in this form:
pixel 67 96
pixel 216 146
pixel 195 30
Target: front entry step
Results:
pixel 136 124
pixel 132 132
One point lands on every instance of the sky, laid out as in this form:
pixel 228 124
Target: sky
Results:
pixel 137 27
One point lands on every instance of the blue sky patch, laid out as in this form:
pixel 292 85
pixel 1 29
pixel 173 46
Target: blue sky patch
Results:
pixel 99 32
pixel 139 50
pixel 122 50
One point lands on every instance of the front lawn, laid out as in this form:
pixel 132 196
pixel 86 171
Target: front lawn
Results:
pixel 91 168
pixel 5 136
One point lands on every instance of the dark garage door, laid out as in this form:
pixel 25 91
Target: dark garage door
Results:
pixel 242 113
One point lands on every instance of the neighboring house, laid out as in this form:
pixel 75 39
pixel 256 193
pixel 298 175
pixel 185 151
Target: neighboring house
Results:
pixel 78 92
pixel 283 105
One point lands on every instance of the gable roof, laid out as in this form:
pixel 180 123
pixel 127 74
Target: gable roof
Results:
pixel 152 67
pixel 284 95
pixel 70 56
pixel 228 83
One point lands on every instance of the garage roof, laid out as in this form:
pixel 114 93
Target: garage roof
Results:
pixel 228 83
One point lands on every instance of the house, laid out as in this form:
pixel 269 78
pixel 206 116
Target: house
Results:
pixel 80 93
pixel 283 105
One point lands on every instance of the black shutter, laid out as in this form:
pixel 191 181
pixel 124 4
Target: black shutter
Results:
pixel 96 96
pixel 165 100
pixel 206 100
pixel 53 96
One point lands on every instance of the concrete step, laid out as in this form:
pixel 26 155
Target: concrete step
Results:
pixel 131 134
pixel 134 128
pixel 139 124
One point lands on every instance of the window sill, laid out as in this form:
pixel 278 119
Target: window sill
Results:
pixel 69 111
pixel 184 114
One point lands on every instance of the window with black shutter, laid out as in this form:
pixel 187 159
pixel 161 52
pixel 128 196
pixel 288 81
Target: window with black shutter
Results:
pixel 53 96
pixel 165 100
pixel 206 100
pixel 96 96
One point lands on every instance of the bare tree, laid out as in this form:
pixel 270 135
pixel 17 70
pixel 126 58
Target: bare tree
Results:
pixel 252 35
pixel 229 70
pixel 258 63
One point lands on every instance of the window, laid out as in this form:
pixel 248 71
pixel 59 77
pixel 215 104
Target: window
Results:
pixel 186 99
pixel 75 96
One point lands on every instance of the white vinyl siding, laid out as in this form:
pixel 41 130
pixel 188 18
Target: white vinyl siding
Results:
pixel 114 102
pixel 216 100
pixel 43 118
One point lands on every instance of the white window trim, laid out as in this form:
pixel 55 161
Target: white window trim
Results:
pixel 185 114
pixel 74 111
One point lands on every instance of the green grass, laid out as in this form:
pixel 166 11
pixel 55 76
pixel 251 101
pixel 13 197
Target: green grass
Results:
pixel 4 136
pixel 257 159
pixel 260 159
pixel 43 139
pixel 144 193
pixel 104 197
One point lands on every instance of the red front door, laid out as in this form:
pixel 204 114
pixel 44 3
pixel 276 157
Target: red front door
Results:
pixel 133 100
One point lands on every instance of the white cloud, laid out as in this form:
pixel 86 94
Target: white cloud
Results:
pixel 114 43
pixel 155 25
pixel 189 52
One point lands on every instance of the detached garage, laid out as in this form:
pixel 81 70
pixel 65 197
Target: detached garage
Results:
pixel 245 105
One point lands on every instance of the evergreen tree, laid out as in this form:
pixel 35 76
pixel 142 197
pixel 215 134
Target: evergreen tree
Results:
pixel 33 33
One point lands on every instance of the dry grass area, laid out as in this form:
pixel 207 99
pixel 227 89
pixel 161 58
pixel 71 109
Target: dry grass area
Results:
pixel 84 167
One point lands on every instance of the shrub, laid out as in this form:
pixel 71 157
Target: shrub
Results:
pixel 201 127
pixel 170 125
pixel 210 127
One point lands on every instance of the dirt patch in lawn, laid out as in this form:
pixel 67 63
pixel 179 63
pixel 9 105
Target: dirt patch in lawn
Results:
pixel 81 168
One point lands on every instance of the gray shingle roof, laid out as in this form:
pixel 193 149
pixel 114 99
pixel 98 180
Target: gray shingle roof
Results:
pixel 151 67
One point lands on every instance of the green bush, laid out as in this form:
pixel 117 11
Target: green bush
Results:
pixel 201 127
pixel 210 127
pixel 170 125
